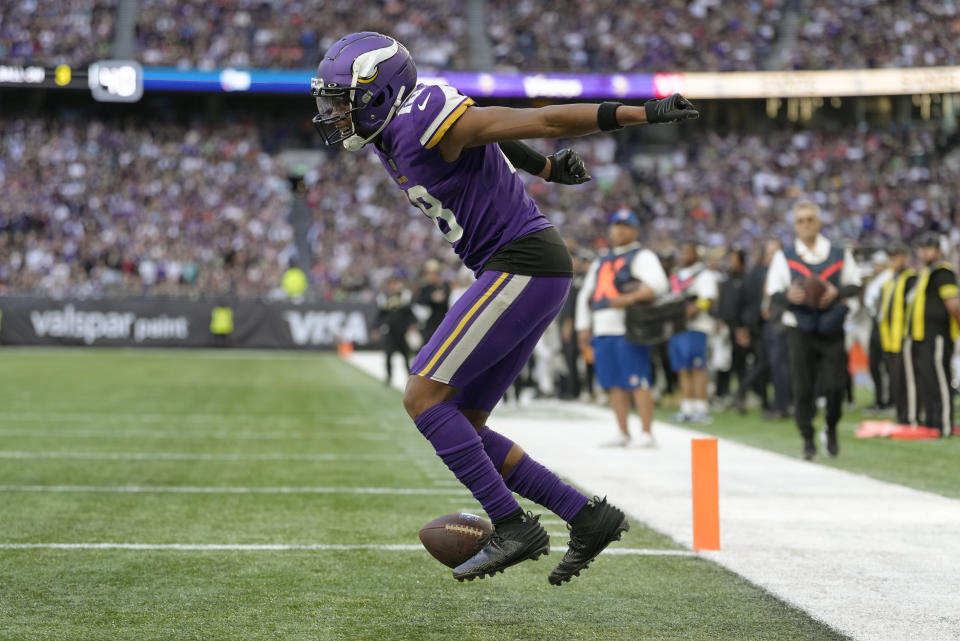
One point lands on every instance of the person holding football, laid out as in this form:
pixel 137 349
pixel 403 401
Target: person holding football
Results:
pixel 811 279
pixel 457 163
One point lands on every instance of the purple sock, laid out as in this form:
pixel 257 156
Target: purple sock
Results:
pixel 531 480
pixel 460 448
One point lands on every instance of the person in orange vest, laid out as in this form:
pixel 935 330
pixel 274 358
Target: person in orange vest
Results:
pixel 626 274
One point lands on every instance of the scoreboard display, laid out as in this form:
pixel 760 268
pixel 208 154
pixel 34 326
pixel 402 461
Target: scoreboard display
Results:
pixel 107 80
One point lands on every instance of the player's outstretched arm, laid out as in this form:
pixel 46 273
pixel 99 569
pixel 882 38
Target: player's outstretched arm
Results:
pixel 484 125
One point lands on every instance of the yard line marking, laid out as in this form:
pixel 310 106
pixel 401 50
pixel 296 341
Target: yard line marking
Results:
pixel 646 552
pixel 346 419
pixel 188 456
pixel 267 547
pixel 195 434
pixel 178 489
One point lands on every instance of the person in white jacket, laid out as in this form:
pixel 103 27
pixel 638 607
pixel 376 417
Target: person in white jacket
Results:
pixel 688 349
pixel 624 275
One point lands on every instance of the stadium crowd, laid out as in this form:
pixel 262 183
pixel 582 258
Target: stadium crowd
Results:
pixel 701 35
pixel 871 34
pixel 51 32
pixel 92 208
pixel 633 37
pixel 190 210
pixel 291 33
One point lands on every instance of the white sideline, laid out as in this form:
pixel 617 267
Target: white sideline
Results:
pixel 180 489
pixel 874 560
pixel 204 547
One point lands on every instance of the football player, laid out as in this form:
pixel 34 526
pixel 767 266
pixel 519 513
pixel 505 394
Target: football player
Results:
pixel 457 163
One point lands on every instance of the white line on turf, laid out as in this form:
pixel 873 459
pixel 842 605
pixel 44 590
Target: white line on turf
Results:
pixel 208 547
pixel 320 434
pixel 194 456
pixel 120 417
pixel 177 489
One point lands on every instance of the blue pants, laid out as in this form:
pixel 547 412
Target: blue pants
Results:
pixel 688 350
pixel 620 363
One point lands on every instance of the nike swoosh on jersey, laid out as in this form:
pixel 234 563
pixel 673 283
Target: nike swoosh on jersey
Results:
pixel 423 105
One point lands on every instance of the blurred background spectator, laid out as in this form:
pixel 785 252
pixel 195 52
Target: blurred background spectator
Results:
pixel 291 33
pixel 99 206
pixel 565 35
pixel 51 32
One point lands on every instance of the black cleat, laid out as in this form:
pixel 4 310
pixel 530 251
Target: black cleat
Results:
pixel 512 542
pixel 596 526
pixel 809 450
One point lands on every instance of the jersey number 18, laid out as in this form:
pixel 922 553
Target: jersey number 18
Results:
pixel 434 210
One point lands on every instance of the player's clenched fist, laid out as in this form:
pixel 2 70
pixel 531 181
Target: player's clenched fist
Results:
pixel 674 108
pixel 567 168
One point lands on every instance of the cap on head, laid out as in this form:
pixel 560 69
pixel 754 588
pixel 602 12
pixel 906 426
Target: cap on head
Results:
pixel 898 248
pixel 928 239
pixel 624 217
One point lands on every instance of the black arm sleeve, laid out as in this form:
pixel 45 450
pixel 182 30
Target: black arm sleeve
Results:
pixel 524 156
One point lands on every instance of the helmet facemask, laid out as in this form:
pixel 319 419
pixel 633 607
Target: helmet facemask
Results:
pixel 340 110
pixel 335 114
pixel 361 82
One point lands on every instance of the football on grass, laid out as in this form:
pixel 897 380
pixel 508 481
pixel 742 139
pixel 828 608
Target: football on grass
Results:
pixel 454 538
pixel 814 288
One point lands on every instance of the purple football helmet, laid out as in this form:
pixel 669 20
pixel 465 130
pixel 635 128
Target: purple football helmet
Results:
pixel 361 82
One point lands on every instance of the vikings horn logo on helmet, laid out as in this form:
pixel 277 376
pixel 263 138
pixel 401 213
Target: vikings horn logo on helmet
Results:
pixel 361 82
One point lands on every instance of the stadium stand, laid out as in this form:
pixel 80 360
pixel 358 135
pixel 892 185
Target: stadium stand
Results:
pixel 290 33
pixel 94 208
pixel 870 34
pixel 609 36
pixel 633 37
pixel 51 32
pixel 192 209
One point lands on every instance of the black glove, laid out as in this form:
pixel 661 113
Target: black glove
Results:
pixel 567 168
pixel 674 108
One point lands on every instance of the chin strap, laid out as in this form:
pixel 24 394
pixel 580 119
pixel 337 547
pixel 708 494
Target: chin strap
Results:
pixel 356 143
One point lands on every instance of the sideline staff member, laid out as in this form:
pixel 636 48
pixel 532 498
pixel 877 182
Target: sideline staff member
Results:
pixel 814 328
pixel 936 310
pixel 895 333
pixel 626 274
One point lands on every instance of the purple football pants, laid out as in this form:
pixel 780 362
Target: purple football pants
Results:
pixel 480 347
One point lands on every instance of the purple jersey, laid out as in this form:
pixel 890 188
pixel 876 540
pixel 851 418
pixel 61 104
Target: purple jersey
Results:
pixel 478 201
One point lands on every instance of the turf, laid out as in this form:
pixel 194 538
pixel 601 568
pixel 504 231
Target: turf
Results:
pixel 924 465
pixel 267 420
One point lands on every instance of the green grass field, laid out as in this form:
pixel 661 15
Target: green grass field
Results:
pixel 303 429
